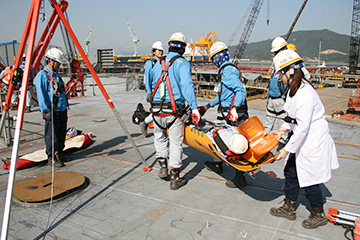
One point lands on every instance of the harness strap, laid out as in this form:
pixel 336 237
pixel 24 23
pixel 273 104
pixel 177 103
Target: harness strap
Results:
pixel 220 72
pixel 55 84
pixel 165 78
pixel 220 143
pixel 274 112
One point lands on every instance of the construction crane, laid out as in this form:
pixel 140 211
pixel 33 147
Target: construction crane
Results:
pixel 87 42
pixel 354 38
pixel 295 20
pixel 134 38
pixel 247 30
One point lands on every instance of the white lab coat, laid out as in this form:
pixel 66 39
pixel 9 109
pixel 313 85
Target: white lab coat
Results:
pixel 311 142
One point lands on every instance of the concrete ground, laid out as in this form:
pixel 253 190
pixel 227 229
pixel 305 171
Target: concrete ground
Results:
pixel 123 202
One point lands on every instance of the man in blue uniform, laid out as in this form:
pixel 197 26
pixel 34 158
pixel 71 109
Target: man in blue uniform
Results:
pixel 276 96
pixel 53 105
pixel 158 51
pixel 231 99
pixel 168 95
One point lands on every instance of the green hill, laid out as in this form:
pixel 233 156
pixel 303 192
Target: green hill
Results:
pixel 307 43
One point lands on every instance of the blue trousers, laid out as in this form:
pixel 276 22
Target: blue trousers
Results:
pixel 59 123
pixel 292 188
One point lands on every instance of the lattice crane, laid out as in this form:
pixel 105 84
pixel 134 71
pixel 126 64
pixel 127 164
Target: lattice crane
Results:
pixel 354 38
pixel 247 30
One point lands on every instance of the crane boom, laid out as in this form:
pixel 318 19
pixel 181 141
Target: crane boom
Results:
pixel 354 38
pixel 247 30
pixel 134 38
pixel 295 20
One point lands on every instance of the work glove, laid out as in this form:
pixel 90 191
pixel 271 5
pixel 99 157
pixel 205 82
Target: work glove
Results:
pixel 203 109
pixel 148 97
pixel 233 115
pixel 195 116
pixel 47 116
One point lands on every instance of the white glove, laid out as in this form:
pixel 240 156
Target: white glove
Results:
pixel 195 116
pixel 233 115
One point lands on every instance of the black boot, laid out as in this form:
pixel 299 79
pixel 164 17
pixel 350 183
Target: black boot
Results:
pixel 163 173
pixel 317 218
pixel 239 180
pixel 58 159
pixel 175 181
pixel 287 210
pixel 214 166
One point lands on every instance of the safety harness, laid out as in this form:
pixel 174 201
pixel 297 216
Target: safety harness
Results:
pixel 242 109
pixel 57 88
pixel 163 108
pixel 220 143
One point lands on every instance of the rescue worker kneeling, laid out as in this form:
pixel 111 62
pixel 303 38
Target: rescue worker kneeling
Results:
pixel 171 85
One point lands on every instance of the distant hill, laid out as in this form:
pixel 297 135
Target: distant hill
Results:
pixel 334 46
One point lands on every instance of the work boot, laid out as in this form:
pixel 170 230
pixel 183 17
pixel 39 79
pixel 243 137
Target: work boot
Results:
pixel 58 159
pixel 317 218
pixel 144 127
pixel 62 156
pixel 28 109
pixel 287 210
pixel 163 173
pixel 175 181
pixel 56 162
pixel 214 166
pixel 239 180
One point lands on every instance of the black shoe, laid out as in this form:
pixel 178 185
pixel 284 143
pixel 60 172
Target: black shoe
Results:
pixel 58 161
pixel 27 109
pixel 214 166
pixel 239 180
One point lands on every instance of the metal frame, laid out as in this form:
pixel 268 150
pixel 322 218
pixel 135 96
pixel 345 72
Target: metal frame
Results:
pixel 29 34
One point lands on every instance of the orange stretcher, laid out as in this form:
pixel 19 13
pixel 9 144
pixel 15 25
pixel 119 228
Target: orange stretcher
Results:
pixel 257 155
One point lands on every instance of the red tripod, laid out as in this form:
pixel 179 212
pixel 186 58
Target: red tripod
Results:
pixel 29 35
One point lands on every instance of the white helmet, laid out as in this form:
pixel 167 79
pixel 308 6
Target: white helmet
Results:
pixel 238 144
pixel 56 55
pixel 286 58
pixel 217 47
pixel 158 45
pixel 178 36
pixel 277 44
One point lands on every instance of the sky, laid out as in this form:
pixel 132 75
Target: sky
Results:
pixel 159 19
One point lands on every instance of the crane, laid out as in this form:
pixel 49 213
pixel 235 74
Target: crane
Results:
pixel 295 20
pixel 87 42
pixel 134 38
pixel 247 30
pixel 354 38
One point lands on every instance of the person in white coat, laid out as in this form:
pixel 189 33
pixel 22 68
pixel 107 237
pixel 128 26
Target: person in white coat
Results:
pixel 310 153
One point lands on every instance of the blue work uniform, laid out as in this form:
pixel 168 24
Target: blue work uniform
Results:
pixel 231 87
pixel 169 145
pixel 180 81
pixel 149 64
pixel 55 117
pixel 275 105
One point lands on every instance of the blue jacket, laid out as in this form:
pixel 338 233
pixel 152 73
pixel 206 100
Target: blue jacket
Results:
pixel 44 93
pixel 274 90
pixel 148 73
pixel 180 81
pixel 22 66
pixel 230 86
